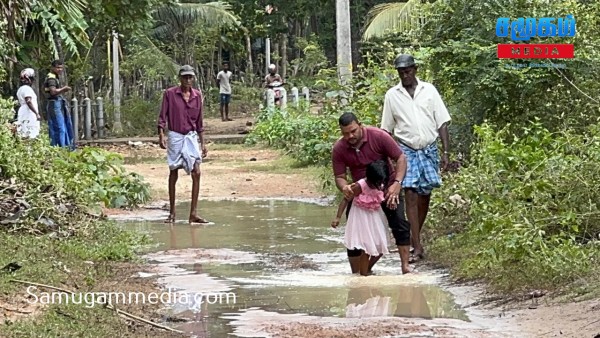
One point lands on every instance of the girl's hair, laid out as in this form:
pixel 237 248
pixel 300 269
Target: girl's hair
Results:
pixel 377 173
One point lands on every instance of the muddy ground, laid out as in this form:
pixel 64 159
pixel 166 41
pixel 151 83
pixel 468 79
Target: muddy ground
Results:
pixel 234 171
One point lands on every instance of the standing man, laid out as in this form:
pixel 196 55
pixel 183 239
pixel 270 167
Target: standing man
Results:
pixel 358 147
pixel 415 114
pixel 60 126
pixel 181 111
pixel 223 81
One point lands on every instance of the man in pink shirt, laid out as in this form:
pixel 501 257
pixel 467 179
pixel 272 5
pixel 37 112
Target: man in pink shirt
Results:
pixel 181 111
pixel 359 146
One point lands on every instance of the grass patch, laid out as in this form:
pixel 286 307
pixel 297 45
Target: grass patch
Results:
pixel 103 261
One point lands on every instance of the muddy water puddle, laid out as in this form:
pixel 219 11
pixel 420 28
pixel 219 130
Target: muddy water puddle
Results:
pixel 264 262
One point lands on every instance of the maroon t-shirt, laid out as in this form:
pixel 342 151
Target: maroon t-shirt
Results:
pixel 377 145
pixel 180 116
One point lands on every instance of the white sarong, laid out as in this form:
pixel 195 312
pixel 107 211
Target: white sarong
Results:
pixel 183 151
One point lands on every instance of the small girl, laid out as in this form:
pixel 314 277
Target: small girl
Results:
pixel 365 228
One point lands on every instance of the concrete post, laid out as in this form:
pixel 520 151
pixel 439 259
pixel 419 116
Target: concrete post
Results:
pixel 283 97
pixel 75 118
pixel 306 94
pixel 270 98
pixel 295 97
pixel 100 117
pixel 267 54
pixel 88 119
pixel 117 126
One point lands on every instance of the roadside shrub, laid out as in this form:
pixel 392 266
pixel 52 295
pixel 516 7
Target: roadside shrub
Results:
pixel 139 115
pixel 523 213
pixel 49 187
pixel 306 137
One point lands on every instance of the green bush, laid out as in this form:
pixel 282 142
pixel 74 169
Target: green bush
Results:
pixel 306 137
pixel 45 187
pixel 523 213
pixel 139 115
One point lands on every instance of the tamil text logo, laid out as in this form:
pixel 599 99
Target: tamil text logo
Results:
pixel 523 29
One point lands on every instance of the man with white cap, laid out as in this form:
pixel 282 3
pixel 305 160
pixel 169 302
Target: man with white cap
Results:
pixel 415 115
pixel 182 112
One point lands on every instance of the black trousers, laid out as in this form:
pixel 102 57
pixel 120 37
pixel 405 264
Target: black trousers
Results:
pixel 396 220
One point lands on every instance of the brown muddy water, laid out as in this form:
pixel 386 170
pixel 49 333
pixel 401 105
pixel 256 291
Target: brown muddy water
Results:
pixel 282 258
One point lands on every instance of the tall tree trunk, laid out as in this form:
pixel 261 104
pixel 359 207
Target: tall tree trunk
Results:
pixel 61 56
pixel 284 40
pixel 276 57
pixel 249 65
pixel 220 51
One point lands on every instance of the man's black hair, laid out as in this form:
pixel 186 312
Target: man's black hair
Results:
pixel 347 118
pixel 57 63
pixel 377 172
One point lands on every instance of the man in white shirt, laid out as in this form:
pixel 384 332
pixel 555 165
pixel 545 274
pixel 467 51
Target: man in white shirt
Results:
pixel 223 81
pixel 415 115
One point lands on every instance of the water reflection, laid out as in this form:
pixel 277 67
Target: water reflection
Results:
pixel 364 302
pixel 175 230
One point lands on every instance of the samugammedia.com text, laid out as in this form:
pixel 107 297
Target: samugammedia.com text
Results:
pixel 90 299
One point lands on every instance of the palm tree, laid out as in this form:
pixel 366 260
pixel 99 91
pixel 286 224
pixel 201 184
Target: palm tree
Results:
pixel 57 22
pixel 393 17
pixel 41 24
pixel 175 23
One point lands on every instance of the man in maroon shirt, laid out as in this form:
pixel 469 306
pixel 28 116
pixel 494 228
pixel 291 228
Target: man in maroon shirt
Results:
pixel 181 110
pixel 358 147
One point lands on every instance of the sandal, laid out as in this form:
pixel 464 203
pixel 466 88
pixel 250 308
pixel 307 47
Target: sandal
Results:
pixel 197 220
pixel 170 219
pixel 415 258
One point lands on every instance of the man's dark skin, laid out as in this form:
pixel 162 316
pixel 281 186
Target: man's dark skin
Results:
pixel 417 206
pixel 186 83
pixel 353 134
pixel 52 89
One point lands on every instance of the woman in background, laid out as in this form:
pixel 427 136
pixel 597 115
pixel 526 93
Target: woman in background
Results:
pixel 28 116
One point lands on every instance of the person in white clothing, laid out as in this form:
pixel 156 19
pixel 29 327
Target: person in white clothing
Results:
pixel 224 83
pixel 415 115
pixel 28 116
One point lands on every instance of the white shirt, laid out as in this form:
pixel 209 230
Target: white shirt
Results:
pixel 26 91
pixel 224 85
pixel 27 122
pixel 415 122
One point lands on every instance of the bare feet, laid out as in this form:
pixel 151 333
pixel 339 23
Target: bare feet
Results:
pixel 170 219
pixel 197 220
pixel 408 270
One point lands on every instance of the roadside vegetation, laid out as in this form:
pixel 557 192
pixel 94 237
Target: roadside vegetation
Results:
pixel 52 231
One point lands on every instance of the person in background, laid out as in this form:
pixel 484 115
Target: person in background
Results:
pixel 224 83
pixel 28 116
pixel 273 76
pixel 60 126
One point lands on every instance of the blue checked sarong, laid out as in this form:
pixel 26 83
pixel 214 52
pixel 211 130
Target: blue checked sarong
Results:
pixel 422 172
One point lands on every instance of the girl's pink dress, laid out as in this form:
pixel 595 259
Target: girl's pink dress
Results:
pixel 365 228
